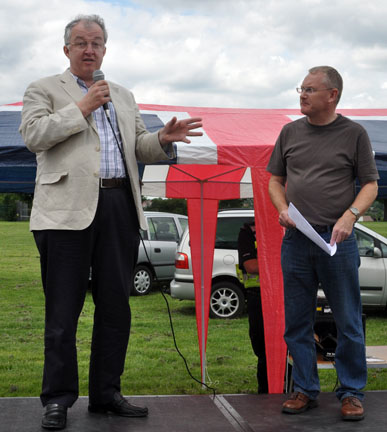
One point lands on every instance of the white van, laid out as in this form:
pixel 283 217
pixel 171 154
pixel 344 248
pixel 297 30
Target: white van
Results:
pixel 228 295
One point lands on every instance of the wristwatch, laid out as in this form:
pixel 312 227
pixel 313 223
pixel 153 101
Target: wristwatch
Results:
pixel 355 212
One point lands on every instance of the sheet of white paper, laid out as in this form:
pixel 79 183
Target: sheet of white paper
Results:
pixel 306 228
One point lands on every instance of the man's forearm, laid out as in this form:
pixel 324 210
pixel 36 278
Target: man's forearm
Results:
pixel 366 196
pixel 277 194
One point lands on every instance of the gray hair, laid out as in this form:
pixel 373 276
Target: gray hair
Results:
pixel 332 78
pixel 88 19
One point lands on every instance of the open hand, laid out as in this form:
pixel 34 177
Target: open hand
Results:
pixel 179 130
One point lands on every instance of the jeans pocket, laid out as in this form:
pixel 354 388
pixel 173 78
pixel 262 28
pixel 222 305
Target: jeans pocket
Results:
pixel 289 233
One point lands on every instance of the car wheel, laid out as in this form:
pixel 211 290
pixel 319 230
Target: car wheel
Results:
pixel 142 281
pixel 227 300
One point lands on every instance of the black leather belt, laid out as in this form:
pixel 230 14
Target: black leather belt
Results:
pixel 112 183
pixel 322 228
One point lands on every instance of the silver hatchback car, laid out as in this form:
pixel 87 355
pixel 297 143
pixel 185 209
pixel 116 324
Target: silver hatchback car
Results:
pixel 160 242
pixel 228 295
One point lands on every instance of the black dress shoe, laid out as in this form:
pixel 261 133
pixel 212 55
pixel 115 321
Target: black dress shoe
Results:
pixel 119 406
pixel 54 417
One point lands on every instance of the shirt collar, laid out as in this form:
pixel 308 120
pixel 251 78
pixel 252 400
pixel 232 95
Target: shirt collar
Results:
pixel 80 81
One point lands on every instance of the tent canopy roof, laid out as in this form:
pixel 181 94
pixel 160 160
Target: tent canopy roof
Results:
pixel 231 136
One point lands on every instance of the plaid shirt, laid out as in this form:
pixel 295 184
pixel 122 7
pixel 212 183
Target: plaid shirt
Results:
pixel 111 160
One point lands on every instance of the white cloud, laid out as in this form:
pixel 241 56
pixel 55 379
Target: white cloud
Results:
pixel 228 53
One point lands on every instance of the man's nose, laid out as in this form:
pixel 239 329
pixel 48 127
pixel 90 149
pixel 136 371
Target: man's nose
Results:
pixel 90 47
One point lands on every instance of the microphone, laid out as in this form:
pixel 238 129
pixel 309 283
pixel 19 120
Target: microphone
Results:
pixel 98 75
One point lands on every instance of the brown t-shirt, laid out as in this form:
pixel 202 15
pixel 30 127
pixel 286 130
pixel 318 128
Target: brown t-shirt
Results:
pixel 321 164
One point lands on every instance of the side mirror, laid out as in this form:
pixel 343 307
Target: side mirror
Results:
pixel 377 253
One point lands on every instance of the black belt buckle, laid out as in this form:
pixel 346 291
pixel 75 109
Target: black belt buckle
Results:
pixel 104 183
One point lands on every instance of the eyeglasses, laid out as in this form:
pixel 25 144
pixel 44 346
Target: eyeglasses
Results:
pixel 311 90
pixel 96 46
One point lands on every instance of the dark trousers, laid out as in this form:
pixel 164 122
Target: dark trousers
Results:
pixel 257 336
pixel 110 246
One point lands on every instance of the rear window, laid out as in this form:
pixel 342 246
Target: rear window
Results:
pixel 227 231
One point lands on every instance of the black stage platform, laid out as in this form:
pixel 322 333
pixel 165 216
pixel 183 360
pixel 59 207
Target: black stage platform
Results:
pixel 227 413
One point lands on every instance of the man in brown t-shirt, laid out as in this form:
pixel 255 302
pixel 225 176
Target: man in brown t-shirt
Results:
pixel 314 165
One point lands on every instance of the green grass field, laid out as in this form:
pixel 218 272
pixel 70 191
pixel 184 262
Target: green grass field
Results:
pixel 379 227
pixel 153 365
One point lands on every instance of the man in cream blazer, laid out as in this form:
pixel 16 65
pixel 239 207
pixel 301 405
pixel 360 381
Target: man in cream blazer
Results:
pixel 87 212
pixel 67 147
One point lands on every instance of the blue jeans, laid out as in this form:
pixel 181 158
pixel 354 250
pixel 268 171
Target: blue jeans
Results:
pixel 304 265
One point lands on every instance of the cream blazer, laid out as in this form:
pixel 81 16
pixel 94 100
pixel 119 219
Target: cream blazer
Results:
pixel 67 148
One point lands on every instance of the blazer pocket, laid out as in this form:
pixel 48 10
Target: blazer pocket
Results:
pixel 52 178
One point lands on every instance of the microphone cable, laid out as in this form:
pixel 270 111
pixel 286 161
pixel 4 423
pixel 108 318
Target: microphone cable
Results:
pixel 158 284
pixel 172 328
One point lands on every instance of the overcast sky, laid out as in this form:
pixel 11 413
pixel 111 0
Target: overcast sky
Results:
pixel 219 53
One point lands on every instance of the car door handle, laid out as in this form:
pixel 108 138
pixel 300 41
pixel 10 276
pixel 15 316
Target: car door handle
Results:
pixel 157 250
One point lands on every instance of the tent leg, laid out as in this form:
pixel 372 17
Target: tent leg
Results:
pixel 204 365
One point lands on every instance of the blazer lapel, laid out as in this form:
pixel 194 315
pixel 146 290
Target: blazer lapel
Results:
pixel 119 108
pixel 71 87
pixel 115 98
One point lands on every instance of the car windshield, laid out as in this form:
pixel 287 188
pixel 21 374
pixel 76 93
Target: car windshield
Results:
pixel 365 243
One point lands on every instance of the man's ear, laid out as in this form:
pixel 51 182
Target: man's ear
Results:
pixel 333 95
pixel 66 50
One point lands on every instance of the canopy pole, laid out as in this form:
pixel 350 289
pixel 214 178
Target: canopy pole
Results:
pixel 204 366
